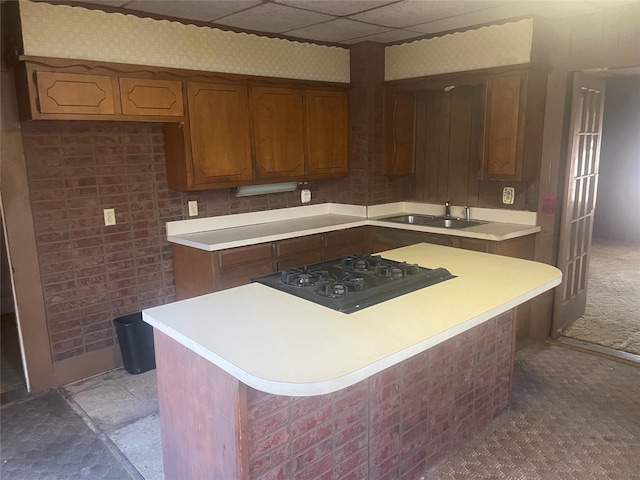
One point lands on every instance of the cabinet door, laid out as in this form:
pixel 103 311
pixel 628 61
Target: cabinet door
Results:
pixel 399 132
pixel 194 271
pixel 390 238
pixel 75 93
pixel 345 242
pixel 143 96
pixel 327 132
pixel 220 127
pixel 237 266
pixel 278 132
pixel 297 252
pixel 502 155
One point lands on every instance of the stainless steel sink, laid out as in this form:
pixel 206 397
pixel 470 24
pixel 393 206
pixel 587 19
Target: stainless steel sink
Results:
pixel 451 222
pixel 411 219
pixel 431 221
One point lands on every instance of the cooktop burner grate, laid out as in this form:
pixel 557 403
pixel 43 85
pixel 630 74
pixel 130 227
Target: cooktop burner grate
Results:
pixel 354 282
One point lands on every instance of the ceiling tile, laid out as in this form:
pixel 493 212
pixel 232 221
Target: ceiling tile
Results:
pixel 336 7
pixel 470 19
pixel 415 12
pixel 192 9
pixel 389 36
pixel 273 18
pixel 337 30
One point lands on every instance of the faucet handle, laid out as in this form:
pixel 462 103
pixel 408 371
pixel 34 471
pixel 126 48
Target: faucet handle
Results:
pixel 447 208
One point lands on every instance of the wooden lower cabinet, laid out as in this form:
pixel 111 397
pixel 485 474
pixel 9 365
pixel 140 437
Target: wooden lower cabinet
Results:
pixel 198 272
pixel 521 247
pixel 346 242
pixel 237 266
pixel 300 251
pixel 388 238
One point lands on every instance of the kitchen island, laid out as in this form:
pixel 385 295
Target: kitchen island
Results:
pixel 255 383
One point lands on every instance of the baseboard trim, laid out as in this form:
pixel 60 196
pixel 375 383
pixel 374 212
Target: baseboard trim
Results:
pixel 91 364
pixel 592 347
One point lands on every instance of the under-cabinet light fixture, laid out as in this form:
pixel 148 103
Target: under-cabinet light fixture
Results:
pixel 249 190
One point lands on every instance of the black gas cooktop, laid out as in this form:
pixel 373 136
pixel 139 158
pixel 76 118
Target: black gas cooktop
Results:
pixel 354 282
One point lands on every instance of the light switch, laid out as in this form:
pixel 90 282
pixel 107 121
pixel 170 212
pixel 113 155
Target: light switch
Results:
pixel 193 208
pixel 305 195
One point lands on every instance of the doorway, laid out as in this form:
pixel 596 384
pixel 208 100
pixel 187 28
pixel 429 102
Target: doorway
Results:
pixel 611 321
pixel 12 377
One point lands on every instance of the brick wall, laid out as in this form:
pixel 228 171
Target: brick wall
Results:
pixel 92 274
pixel 392 425
pixel 366 122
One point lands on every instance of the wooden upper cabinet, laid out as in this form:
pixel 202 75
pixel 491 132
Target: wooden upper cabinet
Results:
pixel 327 132
pixel 278 129
pixel 220 133
pixel 399 132
pixel 142 96
pixel 502 111
pixel 513 124
pixel 74 93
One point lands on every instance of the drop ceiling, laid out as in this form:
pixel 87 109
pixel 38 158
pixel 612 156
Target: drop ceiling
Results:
pixel 347 22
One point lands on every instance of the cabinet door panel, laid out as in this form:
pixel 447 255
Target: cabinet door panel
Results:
pixel 278 124
pixel 327 132
pixel 241 255
pixel 220 132
pixel 502 127
pixel 75 93
pixel 143 96
pixel 242 274
pixel 293 246
pixel 300 260
pixel 345 242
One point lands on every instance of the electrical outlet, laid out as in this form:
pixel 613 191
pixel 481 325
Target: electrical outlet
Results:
pixel 305 195
pixel 508 195
pixel 193 208
pixel 109 216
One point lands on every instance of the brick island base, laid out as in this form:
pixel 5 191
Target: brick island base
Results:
pixel 392 425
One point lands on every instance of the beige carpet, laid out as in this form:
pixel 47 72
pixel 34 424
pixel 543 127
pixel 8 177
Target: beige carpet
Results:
pixel 612 317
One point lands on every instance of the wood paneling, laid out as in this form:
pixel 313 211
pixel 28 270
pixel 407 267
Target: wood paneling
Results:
pixel 399 132
pixel 202 410
pixel 448 141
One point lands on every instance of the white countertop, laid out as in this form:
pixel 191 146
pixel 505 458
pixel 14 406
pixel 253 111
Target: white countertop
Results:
pixel 228 231
pixel 281 344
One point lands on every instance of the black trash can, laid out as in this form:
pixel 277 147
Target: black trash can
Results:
pixel 136 343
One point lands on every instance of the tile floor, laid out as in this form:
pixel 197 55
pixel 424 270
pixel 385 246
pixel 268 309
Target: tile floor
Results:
pixel 574 415
pixel 125 408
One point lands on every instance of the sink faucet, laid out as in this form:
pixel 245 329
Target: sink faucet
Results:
pixel 447 208
pixel 467 213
